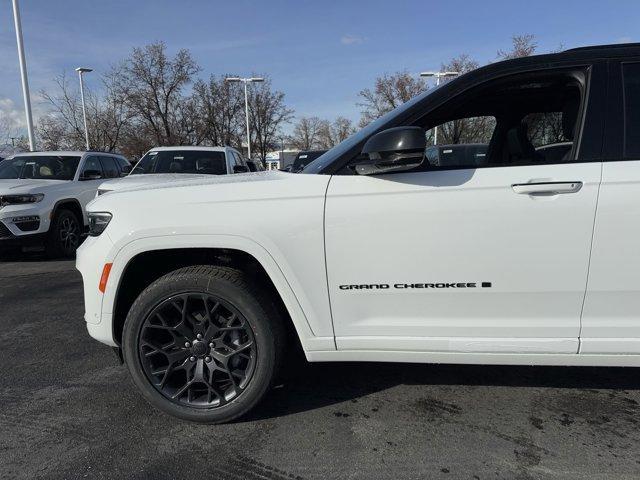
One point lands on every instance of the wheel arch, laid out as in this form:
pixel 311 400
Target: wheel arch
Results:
pixel 71 204
pixel 143 265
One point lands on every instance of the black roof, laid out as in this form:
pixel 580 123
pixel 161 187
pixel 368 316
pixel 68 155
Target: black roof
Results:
pixel 586 53
pixel 600 48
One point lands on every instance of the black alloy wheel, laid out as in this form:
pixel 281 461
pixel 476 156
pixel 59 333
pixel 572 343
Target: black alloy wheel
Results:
pixel 203 343
pixel 64 234
pixel 197 350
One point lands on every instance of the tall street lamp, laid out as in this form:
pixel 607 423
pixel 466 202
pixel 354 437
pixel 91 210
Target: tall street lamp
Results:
pixel 23 74
pixel 80 71
pixel 246 103
pixel 438 76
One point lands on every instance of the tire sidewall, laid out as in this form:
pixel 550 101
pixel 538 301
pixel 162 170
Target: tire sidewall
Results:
pixel 54 245
pixel 255 315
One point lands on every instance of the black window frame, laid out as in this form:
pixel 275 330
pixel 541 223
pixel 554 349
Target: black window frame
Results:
pixel 593 119
pixel 591 103
pixel 617 118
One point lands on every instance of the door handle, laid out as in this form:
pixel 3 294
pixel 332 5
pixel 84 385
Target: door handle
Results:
pixel 546 188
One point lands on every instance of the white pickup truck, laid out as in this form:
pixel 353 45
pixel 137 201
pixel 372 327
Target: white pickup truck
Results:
pixel 372 253
pixel 43 197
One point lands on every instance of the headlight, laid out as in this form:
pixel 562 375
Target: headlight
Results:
pixel 98 221
pixel 20 199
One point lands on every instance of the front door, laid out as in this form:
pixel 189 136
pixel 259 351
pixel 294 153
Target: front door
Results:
pixel 484 253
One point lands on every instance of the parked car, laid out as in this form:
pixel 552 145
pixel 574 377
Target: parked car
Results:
pixel 43 197
pixel 513 258
pixel 167 164
pixel 303 159
pixel 462 154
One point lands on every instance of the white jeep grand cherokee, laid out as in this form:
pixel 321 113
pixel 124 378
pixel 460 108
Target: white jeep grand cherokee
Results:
pixel 375 254
pixel 43 197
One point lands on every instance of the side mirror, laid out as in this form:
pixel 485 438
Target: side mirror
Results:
pixel 240 169
pixel 91 175
pixel 126 169
pixel 393 150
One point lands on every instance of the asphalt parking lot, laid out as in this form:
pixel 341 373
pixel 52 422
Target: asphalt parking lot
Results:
pixel 68 410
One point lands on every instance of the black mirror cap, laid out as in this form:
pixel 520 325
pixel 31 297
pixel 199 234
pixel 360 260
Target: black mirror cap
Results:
pixel 126 169
pixel 398 139
pixel 240 169
pixel 252 166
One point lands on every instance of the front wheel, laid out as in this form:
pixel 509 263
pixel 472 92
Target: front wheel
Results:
pixel 64 235
pixel 202 345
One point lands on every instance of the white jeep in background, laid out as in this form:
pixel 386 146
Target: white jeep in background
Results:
pixel 167 164
pixel 43 196
pixel 522 254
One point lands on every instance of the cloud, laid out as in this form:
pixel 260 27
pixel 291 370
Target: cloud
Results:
pixel 11 118
pixel 625 39
pixel 349 39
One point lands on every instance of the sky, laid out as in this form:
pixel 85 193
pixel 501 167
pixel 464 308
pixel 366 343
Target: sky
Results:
pixel 319 53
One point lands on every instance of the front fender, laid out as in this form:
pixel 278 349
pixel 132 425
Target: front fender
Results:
pixel 314 329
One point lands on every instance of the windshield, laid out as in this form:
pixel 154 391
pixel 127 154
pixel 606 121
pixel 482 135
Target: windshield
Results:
pixel 182 161
pixel 324 160
pixel 43 167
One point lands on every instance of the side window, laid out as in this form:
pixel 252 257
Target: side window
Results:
pixel 92 167
pixel 122 163
pixel 631 83
pixel 110 167
pixel 528 120
pixel 237 159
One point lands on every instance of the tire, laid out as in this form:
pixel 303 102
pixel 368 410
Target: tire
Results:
pixel 64 235
pixel 228 368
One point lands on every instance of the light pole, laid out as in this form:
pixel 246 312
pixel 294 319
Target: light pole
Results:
pixel 80 71
pixel 23 74
pixel 438 76
pixel 246 103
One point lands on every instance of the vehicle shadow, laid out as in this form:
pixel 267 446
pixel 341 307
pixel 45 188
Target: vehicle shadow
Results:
pixel 18 256
pixel 309 386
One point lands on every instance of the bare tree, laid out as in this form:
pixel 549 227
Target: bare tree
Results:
pixel 389 92
pixel 267 114
pixel 151 85
pixel 306 133
pixel 63 127
pixel 220 111
pixel 332 133
pixel 521 46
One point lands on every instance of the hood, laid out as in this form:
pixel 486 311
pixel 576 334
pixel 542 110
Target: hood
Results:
pixel 172 180
pixel 147 180
pixel 26 185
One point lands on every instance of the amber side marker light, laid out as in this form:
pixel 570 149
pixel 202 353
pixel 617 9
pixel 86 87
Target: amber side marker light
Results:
pixel 104 278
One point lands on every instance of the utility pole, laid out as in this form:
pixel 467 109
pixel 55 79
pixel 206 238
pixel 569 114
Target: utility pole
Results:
pixel 246 104
pixel 23 74
pixel 80 71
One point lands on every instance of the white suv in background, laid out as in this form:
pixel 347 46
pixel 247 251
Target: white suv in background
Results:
pixel 43 197
pixel 169 164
